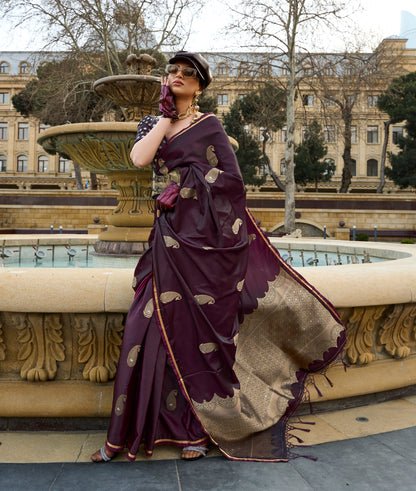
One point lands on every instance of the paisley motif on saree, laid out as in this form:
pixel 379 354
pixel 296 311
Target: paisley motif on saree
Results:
pixel 241 329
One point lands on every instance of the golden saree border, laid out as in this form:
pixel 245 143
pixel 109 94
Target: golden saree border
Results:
pixel 192 125
pixel 293 272
pixel 171 356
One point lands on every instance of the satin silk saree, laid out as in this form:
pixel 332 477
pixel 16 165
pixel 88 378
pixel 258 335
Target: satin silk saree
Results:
pixel 222 334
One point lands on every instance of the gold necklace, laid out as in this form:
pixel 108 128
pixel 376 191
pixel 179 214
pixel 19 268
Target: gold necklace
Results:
pixel 189 112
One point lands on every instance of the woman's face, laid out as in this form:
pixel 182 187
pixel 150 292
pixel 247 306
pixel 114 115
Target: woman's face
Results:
pixel 183 86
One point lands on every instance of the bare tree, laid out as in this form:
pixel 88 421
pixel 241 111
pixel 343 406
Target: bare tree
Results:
pixel 284 26
pixel 347 85
pixel 93 29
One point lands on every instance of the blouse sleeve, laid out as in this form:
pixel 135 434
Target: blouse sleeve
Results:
pixel 159 182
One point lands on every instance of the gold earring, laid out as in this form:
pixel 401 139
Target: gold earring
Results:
pixel 195 101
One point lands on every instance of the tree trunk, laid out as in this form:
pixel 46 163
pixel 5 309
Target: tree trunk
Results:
pixel 94 181
pixel 383 157
pixel 78 177
pixel 346 156
pixel 273 174
pixel 290 147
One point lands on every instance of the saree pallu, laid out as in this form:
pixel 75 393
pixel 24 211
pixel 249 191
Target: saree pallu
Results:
pixel 232 331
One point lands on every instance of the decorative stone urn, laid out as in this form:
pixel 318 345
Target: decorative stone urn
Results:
pixel 104 148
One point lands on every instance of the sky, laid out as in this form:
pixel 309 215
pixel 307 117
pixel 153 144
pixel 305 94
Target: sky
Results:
pixel 379 17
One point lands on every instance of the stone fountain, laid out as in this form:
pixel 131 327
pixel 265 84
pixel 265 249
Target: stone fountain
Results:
pixel 104 148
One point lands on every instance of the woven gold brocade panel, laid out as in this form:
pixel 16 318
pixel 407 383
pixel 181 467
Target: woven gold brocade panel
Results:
pixel 289 330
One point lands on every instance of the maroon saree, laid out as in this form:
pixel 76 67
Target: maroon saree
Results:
pixel 222 333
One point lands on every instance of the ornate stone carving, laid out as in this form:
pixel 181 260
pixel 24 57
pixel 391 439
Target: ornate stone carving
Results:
pixel 360 346
pixel 99 338
pixel 41 345
pixel 399 330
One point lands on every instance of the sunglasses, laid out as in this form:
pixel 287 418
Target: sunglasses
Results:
pixel 187 71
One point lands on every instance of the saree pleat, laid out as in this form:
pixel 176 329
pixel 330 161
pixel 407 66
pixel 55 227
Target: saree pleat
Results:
pixel 228 333
pixel 148 405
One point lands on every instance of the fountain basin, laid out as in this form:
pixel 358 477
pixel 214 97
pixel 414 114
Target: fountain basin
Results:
pixel 60 331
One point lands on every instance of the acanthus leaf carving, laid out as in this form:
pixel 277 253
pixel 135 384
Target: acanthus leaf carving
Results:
pixel 99 339
pixel 396 333
pixel 41 345
pixel 360 345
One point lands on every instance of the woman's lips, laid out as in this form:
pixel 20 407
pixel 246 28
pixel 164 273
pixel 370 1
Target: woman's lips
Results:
pixel 177 82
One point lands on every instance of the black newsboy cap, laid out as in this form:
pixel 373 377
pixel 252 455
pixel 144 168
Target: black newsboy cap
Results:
pixel 198 61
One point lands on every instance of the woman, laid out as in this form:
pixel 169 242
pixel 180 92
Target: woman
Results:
pixel 222 334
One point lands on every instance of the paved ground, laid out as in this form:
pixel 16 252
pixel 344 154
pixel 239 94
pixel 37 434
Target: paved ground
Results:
pixel 379 462
pixel 361 453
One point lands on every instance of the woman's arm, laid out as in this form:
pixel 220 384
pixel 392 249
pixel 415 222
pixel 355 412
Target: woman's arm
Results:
pixel 144 150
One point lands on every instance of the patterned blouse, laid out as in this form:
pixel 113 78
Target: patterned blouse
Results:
pixel 159 182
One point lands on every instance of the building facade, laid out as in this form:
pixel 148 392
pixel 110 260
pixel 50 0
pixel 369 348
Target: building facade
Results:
pixel 23 163
pixel 321 82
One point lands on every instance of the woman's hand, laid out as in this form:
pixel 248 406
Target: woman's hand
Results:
pixel 167 101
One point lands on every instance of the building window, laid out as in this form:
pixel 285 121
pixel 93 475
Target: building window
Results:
pixel 265 70
pixel 354 134
pixel 329 133
pixel 304 130
pixel 283 134
pixel 372 168
pixel 372 134
pixel 372 100
pixel 4 67
pixel 43 163
pixel 349 70
pixel 330 162
pixel 307 100
pixel 222 99
pixel 353 167
pixel 3 163
pixel 22 163
pixel 263 136
pixel 328 102
pixel 24 67
pixel 282 166
pixel 23 131
pixel 284 71
pixel 3 131
pixel 397 134
pixel 43 127
pixel 243 70
pixel 329 71
pixel 241 96
pixel 307 71
pixel 350 100
pixel 222 69
pixel 63 165
pixel 4 97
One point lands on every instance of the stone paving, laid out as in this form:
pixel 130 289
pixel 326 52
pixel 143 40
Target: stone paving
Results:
pixel 360 453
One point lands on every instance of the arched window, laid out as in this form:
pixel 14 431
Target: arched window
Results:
pixel 4 67
pixel 353 167
pixel 24 67
pixel 3 163
pixel 43 163
pixel 63 165
pixel 222 69
pixel 282 166
pixel 372 168
pixel 22 163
